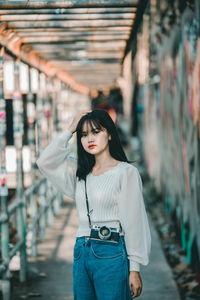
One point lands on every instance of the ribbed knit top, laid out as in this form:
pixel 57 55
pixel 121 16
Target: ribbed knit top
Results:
pixel 114 196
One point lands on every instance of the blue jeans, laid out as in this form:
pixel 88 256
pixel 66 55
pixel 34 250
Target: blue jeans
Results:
pixel 100 270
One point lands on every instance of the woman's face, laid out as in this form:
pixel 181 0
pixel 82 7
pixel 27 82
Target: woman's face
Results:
pixel 94 141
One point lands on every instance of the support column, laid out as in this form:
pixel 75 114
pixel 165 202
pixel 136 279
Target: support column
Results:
pixel 56 107
pixel 49 115
pixel 18 134
pixel 31 142
pixel 3 188
pixel 40 121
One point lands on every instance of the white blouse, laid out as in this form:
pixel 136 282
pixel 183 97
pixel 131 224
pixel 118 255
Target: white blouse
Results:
pixel 114 196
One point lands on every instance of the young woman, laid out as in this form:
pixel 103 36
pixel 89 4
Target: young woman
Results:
pixel 113 237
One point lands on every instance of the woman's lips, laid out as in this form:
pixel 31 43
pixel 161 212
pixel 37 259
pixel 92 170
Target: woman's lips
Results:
pixel 91 146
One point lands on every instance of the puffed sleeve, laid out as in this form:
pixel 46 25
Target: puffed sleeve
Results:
pixel 133 218
pixel 58 166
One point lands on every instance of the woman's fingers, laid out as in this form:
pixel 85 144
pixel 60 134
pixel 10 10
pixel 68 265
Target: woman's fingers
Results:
pixel 135 284
pixel 137 292
pixel 131 289
pixel 76 119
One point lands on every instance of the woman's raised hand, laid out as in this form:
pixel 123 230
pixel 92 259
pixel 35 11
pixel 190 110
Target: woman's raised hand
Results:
pixel 75 120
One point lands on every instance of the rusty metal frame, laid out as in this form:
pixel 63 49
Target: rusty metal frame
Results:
pixel 13 42
pixel 81 32
pixel 67 3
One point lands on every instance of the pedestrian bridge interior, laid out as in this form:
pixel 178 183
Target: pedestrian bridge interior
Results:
pixel 82 43
pixel 137 59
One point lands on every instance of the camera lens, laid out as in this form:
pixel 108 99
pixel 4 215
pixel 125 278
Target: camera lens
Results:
pixel 104 233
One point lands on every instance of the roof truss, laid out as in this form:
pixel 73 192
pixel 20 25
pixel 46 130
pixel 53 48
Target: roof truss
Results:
pixel 83 38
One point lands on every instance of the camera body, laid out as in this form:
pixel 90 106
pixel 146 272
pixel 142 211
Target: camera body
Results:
pixel 104 233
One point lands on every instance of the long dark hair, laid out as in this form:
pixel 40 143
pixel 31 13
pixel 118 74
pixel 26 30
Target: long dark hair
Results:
pixel 98 118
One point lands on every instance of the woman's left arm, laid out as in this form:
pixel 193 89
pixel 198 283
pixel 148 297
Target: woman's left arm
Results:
pixel 134 221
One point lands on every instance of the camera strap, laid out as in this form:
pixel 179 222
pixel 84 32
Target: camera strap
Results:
pixel 87 205
pixel 90 211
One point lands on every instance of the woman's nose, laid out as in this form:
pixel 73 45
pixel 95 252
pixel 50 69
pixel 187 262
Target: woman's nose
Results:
pixel 90 137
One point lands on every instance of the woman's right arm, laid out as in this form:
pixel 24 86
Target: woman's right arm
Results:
pixel 58 166
pixel 56 163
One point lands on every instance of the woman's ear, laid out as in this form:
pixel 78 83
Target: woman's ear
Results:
pixel 109 138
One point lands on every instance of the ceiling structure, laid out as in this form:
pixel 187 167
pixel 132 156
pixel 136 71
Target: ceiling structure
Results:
pixel 82 41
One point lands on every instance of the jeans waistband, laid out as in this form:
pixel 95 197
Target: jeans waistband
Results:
pixel 86 238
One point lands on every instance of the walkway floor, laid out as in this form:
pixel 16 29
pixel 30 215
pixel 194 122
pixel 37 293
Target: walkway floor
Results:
pixel 51 271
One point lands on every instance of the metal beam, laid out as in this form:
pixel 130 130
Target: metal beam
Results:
pixel 92 78
pixel 115 45
pixel 76 52
pixel 81 55
pixel 53 40
pixel 91 74
pixel 56 17
pixel 68 11
pixel 80 65
pixel 12 43
pixel 67 3
pixel 73 34
pixel 85 60
pixel 137 22
pixel 84 37
pixel 70 24
pixel 76 29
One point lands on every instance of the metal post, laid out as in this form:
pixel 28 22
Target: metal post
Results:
pixel 3 189
pixel 57 105
pixel 31 142
pixel 40 119
pixel 18 134
pixel 48 113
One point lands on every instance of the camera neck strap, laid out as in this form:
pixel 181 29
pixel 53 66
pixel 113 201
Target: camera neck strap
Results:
pixel 90 211
pixel 87 205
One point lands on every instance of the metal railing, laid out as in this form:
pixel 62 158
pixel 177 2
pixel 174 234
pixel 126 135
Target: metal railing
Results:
pixel 31 215
pixel 33 209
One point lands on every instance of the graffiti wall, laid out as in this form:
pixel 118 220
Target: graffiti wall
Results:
pixel 171 126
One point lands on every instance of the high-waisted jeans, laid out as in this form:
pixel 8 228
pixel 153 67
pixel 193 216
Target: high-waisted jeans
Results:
pixel 100 270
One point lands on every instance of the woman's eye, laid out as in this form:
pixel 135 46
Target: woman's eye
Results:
pixel 84 134
pixel 96 131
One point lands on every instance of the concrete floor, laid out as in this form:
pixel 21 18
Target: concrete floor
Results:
pixel 51 271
